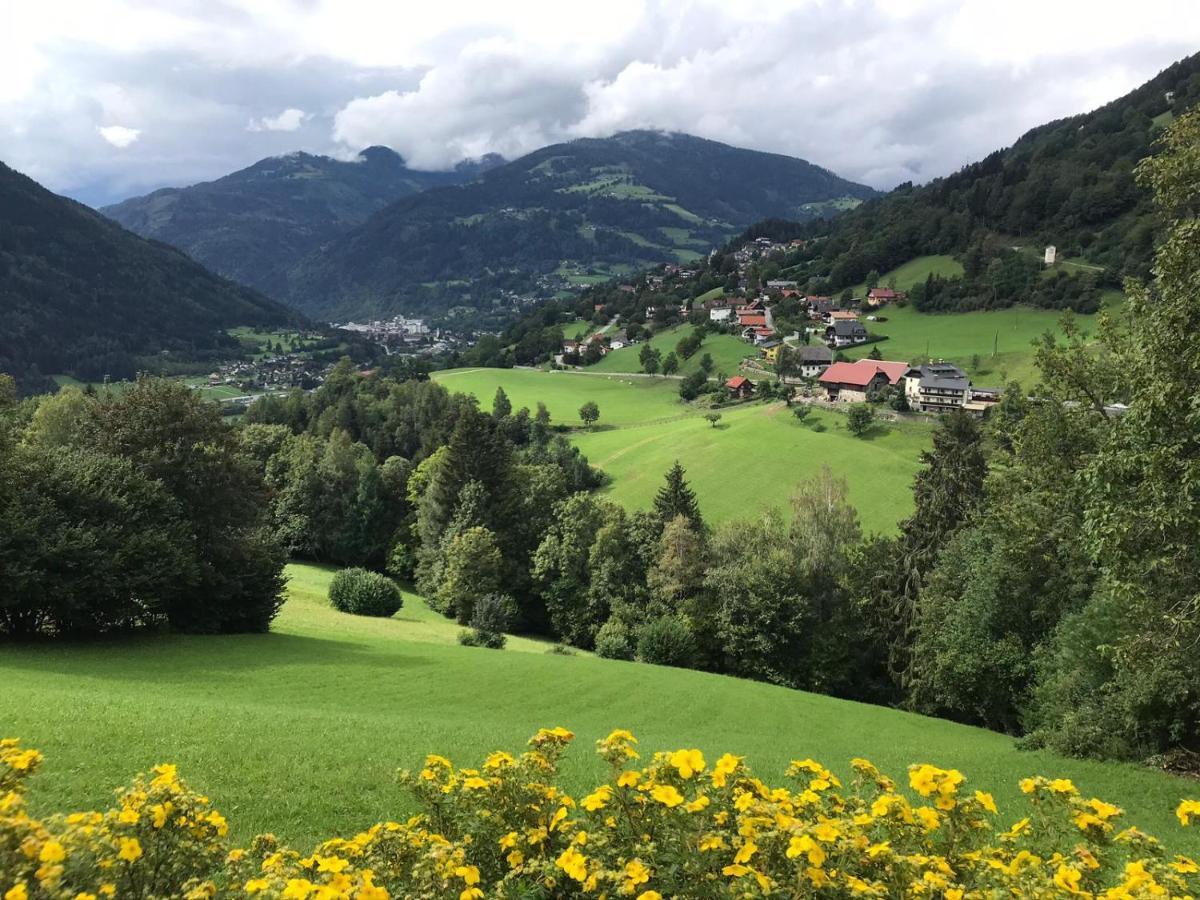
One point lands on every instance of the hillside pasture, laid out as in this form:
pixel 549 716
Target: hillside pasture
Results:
pixel 727 352
pixel 959 337
pixel 915 271
pixel 756 457
pixel 300 731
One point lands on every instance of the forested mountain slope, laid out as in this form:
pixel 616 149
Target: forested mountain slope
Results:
pixel 81 295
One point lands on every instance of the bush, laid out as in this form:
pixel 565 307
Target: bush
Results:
pixel 364 593
pixel 507 828
pixel 666 641
pixel 614 641
pixel 492 616
pixel 561 650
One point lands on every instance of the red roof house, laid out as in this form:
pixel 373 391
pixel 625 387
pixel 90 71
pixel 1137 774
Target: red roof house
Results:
pixel 879 296
pixel 740 386
pixel 851 381
pixel 752 320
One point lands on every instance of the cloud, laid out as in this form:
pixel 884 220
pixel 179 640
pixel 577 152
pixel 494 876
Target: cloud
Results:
pixel 880 91
pixel 118 135
pixel 288 120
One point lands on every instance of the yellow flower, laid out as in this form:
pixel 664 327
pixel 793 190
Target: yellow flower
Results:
pixel 52 852
pixel 1062 786
pixel 469 874
pixel 698 804
pixel 747 850
pixel 128 816
pixel 474 783
pixel 597 799
pixel 628 779
pixel 1188 810
pixel 167 776
pixel 333 864
pixel 1068 879
pixel 256 885
pixel 131 849
pixel 649 895
pixel 725 767
pixel 826 833
pixel 805 844
pixel 508 841
pixel 667 795
pixel 298 888
pixel 1104 810
pixel 687 762
pixel 711 842
pixel 635 874
pixel 573 863
pixel 736 870
pixel 499 760
pixel 1028 785
pixel 1185 866
pixel 929 818
pixel 986 801
pixel 17 893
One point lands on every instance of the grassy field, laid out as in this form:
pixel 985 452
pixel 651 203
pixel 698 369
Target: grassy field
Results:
pixel 300 731
pixel 756 457
pixel 915 271
pixel 958 337
pixel 622 400
pixel 726 350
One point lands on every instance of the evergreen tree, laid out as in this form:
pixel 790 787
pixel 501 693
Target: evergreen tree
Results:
pixel 676 498
pixel 501 406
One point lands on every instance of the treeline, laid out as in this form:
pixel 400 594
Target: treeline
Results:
pixel 126 510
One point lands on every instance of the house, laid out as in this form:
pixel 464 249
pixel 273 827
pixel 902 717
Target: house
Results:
pixel 618 340
pixel 720 313
pixel 779 284
pixel 819 307
pixel 740 387
pixel 846 334
pixel 770 350
pixel 752 319
pixel 880 296
pixel 570 346
pixel 851 382
pixel 761 335
pixel 814 360
pixel 841 315
pixel 936 387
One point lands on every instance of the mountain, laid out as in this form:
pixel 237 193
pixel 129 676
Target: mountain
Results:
pixel 254 225
pixel 576 213
pixel 83 296
pixel 1069 183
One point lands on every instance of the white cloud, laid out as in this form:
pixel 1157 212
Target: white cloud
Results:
pixel 288 120
pixel 877 90
pixel 118 135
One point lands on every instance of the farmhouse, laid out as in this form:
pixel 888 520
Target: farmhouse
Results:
pixel 752 319
pixel 936 387
pixel 880 296
pixel 770 350
pixel 720 312
pixel 814 360
pixel 740 386
pixel 850 382
pixel 846 333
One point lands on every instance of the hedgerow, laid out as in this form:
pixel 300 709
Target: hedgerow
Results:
pixel 679 826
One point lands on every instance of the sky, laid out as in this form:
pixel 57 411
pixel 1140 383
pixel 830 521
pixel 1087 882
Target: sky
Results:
pixel 105 99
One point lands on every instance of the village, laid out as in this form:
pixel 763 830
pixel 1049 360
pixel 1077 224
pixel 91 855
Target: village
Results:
pixel 808 354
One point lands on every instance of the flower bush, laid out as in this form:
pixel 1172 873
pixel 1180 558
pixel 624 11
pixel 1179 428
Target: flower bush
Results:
pixel 679 826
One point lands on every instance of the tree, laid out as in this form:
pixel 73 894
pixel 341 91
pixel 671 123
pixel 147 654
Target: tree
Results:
pixel 875 353
pixel 589 413
pixel 860 418
pixel 501 406
pixel 801 411
pixel 692 386
pixel 706 364
pixel 473 568
pixel 713 418
pixel 872 279
pixel 670 364
pixel 649 357
pixel 676 498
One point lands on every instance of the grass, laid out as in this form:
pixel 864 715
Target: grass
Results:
pixel 622 401
pixel 915 271
pixel 958 337
pixel 727 352
pixel 300 731
pixel 756 457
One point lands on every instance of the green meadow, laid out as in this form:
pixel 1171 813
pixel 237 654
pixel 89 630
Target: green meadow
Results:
pixel 1001 338
pixel 915 271
pixel 727 352
pixel 300 731
pixel 754 458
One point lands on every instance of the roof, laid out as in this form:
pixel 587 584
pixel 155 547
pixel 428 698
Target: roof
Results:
pixel 844 327
pixel 737 382
pixel 861 372
pixel 749 320
pixel 885 293
pixel 815 354
pixel 843 314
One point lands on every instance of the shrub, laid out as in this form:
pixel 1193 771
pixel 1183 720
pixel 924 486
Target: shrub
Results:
pixel 492 616
pixel 614 641
pixel 666 641
pixel 364 593
pixel 507 829
pixel 561 650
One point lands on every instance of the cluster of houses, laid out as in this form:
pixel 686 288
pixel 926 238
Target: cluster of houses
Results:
pixel 934 387
pixel 270 373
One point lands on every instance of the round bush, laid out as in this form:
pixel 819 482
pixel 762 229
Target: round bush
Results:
pixel 473 637
pixel 364 593
pixel 666 641
pixel 613 640
pixel 494 613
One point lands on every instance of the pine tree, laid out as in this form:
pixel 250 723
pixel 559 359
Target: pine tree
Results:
pixel 501 405
pixel 676 498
